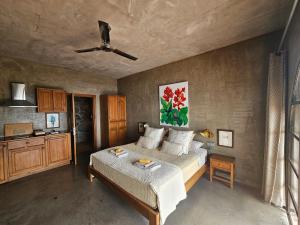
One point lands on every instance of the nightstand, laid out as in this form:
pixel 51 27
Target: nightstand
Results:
pixel 225 164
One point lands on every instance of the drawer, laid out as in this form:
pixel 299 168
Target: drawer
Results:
pixel 26 142
pixel 35 141
pixel 16 144
pixel 220 165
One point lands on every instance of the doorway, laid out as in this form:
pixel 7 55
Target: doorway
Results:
pixel 82 123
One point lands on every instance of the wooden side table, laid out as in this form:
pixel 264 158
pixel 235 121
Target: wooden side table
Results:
pixel 225 164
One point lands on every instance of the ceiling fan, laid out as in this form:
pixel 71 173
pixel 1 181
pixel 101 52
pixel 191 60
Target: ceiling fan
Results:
pixel 104 31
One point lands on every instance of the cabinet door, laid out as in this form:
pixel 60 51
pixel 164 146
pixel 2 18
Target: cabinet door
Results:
pixel 57 151
pixel 113 134
pixel 3 163
pixel 59 101
pixel 122 132
pixel 25 160
pixel 112 102
pixel 44 100
pixel 121 108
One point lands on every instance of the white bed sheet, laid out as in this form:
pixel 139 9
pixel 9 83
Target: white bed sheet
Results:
pixel 189 164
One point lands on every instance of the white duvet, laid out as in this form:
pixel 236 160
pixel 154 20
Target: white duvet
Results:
pixel 166 182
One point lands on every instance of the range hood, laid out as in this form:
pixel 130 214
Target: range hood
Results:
pixel 18 96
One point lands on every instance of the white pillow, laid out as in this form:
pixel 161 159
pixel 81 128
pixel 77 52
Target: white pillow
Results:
pixel 172 148
pixel 181 137
pixel 146 142
pixel 195 145
pixel 155 133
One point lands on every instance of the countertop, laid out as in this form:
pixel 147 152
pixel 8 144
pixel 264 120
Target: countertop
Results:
pixel 19 137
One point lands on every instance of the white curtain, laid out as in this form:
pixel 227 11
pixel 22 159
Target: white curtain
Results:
pixel 273 187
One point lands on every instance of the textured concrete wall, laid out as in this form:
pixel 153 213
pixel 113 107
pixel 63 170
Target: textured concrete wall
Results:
pixel 227 89
pixel 37 75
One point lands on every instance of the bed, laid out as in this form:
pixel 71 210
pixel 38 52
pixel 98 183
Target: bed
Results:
pixel 141 194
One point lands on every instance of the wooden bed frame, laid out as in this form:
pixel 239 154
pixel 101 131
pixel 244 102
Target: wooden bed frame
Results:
pixel 151 214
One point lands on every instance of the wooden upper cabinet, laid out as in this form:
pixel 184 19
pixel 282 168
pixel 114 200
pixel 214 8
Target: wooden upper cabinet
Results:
pixel 59 101
pixel 44 100
pixel 51 100
pixel 122 108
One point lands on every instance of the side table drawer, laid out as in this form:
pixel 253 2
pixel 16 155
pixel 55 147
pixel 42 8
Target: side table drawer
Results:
pixel 220 165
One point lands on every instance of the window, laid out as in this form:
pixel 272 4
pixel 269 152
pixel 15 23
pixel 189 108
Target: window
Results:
pixel 292 152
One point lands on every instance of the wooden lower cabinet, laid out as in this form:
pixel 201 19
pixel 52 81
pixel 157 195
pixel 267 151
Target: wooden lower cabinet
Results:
pixel 58 150
pixel 25 160
pixel 3 163
pixel 27 156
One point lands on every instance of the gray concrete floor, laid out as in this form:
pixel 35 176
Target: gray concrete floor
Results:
pixel 64 196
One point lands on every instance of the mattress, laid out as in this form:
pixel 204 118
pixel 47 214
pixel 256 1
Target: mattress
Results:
pixel 189 164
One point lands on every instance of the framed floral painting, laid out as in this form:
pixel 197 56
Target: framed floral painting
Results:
pixel 174 104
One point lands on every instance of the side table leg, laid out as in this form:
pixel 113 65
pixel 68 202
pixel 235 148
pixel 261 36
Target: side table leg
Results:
pixel 211 172
pixel 231 176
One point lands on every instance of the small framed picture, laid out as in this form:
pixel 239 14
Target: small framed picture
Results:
pixel 141 127
pixel 225 138
pixel 52 120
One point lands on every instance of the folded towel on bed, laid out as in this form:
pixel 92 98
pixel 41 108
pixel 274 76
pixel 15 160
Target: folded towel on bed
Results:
pixel 151 165
pixel 118 152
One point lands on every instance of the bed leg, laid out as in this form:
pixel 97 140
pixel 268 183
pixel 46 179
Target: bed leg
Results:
pixel 91 177
pixel 154 219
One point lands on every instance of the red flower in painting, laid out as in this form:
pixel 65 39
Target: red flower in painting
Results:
pixel 179 98
pixel 168 93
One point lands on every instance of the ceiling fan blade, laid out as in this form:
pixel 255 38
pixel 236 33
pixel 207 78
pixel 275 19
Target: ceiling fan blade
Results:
pixel 117 51
pixel 104 31
pixel 88 50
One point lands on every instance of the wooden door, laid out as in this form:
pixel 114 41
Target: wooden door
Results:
pixel 121 108
pixel 44 100
pixel 3 163
pixel 57 150
pixel 113 134
pixel 59 101
pixel 122 132
pixel 25 160
pixel 112 102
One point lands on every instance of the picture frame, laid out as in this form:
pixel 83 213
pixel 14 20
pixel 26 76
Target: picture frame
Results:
pixel 174 104
pixel 225 138
pixel 52 120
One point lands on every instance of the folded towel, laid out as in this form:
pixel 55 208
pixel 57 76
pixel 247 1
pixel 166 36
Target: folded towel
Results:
pixel 124 154
pixel 149 166
pixel 118 152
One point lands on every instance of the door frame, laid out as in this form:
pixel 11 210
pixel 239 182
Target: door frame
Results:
pixel 93 97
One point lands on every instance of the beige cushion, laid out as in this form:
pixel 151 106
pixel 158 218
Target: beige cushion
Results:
pixel 155 133
pixel 172 148
pixel 146 142
pixel 181 137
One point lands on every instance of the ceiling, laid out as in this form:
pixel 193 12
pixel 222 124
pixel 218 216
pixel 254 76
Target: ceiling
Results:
pixel 156 31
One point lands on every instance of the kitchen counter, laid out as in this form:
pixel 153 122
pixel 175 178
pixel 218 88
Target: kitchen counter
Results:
pixel 24 155
pixel 18 137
